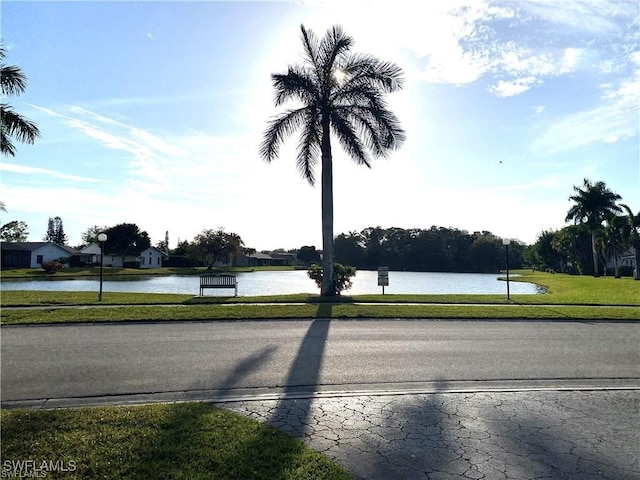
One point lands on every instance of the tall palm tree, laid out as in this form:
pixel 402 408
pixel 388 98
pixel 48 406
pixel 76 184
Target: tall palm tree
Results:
pixel 593 203
pixel 340 94
pixel 14 126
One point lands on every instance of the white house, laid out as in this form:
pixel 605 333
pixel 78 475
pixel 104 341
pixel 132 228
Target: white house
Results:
pixel 152 258
pixel 624 259
pixel 91 253
pixel 33 254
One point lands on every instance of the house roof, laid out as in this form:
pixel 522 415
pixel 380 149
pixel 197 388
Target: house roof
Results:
pixel 32 246
pixel 156 249
pixel 260 256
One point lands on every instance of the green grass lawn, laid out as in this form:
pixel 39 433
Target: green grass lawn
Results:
pixel 160 441
pixel 567 297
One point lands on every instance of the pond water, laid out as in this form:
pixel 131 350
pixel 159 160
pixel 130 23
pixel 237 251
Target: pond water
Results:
pixel 286 282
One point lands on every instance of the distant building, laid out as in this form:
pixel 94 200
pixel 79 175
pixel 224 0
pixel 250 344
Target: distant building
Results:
pixel 34 254
pixel 152 257
pixel 266 259
pixel 624 259
pixel 257 259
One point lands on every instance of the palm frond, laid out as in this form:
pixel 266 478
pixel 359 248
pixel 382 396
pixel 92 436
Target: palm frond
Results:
pixel 349 139
pixel 13 81
pixel 278 130
pixel 310 45
pixel 334 44
pixel 17 127
pixel 366 69
pixel 295 84
pixel 309 148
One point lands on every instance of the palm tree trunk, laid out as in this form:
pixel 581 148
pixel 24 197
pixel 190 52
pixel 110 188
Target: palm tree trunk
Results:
pixel 636 254
pixel 328 288
pixel 595 253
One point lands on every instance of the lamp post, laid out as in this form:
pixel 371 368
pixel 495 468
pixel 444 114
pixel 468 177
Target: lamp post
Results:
pixel 102 237
pixel 506 242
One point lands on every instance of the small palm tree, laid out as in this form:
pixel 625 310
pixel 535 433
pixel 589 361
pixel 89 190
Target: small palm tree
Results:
pixel 14 126
pixel 593 203
pixel 340 94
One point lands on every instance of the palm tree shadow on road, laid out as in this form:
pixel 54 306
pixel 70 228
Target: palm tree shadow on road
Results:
pixel 293 409
pixel 292 414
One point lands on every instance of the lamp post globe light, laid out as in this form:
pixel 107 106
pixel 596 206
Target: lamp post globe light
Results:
pixel 506 242
pixel 102 237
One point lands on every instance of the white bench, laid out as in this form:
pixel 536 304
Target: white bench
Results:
pixel 218 281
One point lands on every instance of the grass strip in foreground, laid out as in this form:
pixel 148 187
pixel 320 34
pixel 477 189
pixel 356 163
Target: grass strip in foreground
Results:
pixel 161 441
pixel 324 310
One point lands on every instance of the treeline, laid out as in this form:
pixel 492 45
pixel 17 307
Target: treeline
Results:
pixel 437 249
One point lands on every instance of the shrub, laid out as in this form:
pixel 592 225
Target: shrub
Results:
pixel 51 267
pixel 341 276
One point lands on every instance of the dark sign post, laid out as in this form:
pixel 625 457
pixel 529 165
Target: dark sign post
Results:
pixel 383 277
pixel 102 237
pixel 506 242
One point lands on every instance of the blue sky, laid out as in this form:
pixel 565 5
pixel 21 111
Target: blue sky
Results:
pixel 152 113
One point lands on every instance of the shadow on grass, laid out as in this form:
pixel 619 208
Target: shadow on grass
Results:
pixel 270 450
pixel 291 414
pixel 249 449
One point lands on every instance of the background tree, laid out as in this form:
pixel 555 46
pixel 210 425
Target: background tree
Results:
pixel 211 246
pixel 574 244
pixel 343 94
pixel 350 249
pixel 163 245
pixel 631 236
pixel 542 254
pixel 55 232
pixel 437 249
pixel 308 254
pixel 593 203
pixel 126 239
pixel 612 241
pixel 15 231
pixel 90 235
pixel 15 127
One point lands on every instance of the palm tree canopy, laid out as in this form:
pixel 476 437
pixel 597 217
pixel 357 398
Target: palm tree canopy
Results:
pixel 14 126
pixel 12 79
pixel 338 90
pixel 592 204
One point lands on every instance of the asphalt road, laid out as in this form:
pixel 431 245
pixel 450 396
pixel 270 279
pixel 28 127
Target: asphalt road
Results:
pixel 188 360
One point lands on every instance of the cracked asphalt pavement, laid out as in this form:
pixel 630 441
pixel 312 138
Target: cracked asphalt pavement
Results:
pixel 581 435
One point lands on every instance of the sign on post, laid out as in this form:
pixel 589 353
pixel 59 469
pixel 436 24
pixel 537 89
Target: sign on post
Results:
pixel 383 277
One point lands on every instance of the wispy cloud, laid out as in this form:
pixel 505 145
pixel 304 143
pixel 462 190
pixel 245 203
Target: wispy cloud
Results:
pixel 25 170
pixel 613 120
pixel 147 152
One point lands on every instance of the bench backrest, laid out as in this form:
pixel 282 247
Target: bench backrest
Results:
pixel 206 280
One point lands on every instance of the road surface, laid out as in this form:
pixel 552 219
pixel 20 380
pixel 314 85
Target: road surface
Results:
pixel 205 359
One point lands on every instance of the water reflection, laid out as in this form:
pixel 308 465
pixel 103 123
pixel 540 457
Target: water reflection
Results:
pixel 286 282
